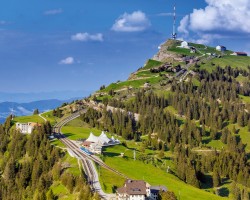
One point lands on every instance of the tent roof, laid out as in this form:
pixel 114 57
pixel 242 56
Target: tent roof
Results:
pixel 92 138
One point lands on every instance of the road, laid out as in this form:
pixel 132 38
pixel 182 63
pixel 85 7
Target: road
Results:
pixel 86 159
pixel 40 115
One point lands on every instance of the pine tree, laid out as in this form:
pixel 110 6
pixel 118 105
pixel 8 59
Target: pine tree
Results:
pixel 168 195
pixel 245 194
pixel 240 119
pixel 50 195
pixel 248 125
pixel 216 178
pixel 36 112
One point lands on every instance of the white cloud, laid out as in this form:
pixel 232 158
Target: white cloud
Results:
pixel 183 25
pixel 223 16
pixel 53 12
pixel 84 37
pixel 67 61
pixel 136 21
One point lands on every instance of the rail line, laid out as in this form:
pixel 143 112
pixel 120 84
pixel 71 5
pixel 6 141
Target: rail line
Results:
pixel 86 159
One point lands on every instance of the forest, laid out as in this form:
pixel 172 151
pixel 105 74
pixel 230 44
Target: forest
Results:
pixel 203 110
pixel 29 165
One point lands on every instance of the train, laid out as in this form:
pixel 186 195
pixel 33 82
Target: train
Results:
pixel 86 151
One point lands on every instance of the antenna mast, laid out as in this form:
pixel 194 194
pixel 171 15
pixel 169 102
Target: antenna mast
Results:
pixel 174 34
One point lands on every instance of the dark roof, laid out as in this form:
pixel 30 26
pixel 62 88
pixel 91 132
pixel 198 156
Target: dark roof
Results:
pixel 241 53
pixel 157 189
pixel 133 187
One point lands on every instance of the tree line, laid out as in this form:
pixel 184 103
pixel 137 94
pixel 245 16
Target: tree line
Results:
pixel 30 165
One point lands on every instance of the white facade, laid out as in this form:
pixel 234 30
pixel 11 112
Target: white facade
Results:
pixel 137 197
pixel 131 197
pixel 25 128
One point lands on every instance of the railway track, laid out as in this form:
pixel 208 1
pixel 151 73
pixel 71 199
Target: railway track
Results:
pixel 86 159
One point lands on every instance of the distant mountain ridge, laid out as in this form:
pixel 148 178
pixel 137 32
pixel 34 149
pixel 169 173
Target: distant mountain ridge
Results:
pixel 37 96
pixel 20 109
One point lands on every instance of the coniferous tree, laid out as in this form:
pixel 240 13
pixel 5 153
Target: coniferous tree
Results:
pixel 216 178
pixel 36 112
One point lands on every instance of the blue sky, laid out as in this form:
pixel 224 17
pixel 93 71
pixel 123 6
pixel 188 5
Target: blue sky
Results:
pixel 64 45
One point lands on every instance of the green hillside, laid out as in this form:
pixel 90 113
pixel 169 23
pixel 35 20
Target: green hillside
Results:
pixel 31 118
pixel 176 88
pixel 194 116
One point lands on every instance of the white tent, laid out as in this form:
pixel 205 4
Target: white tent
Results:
pixel 103 138
pixel 92 138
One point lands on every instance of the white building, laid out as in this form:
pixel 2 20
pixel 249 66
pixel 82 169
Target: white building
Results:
pixel 184 45
pixel 239 54
pixel 132 190
pixel 221 48
pixel 138 190
pixel 26 128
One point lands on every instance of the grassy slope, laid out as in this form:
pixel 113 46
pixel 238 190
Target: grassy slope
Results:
pixel 138 170
pixel 151 64
pixel 132 83
pixel 109 180
pixel 77 129
pixel 52 119
pixel 75 133
pixel 129 166
pixel 58 188
pixel 32 118
pixel 243 133
pixel 245 99
pixel 233 61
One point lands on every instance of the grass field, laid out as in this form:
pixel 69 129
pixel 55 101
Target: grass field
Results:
pixel 77 129
pixel 242 79
pixel 145 74
pixel 109 180
pixel 58 188
pixel 215 144
pixel 76 133
pixel 132 83
pixel 151 64
pixel 32 118
pixel 196 82
pixel 57 143
pixel 245 99
pixel 61 191
pixel 244 135
pixel 138 170
pixel 52 119
pixel 233 61
pixel 73 163
pixel 171 109
pixel 182 51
